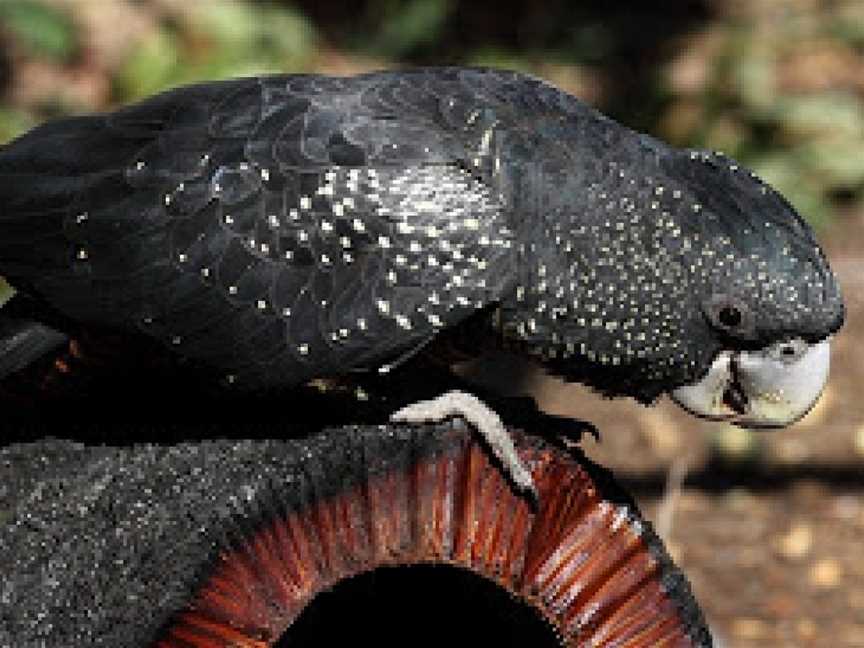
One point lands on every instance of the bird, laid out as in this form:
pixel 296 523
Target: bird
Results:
pixel 286 228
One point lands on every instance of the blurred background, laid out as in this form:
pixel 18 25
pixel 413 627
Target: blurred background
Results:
pixel 767 526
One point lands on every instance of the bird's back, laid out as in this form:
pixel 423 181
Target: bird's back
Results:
pixel 276 228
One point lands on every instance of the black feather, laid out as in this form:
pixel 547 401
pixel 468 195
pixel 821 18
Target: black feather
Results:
pixel 287 227
pixel 24 341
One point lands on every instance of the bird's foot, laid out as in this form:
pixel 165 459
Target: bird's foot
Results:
pixel 487 423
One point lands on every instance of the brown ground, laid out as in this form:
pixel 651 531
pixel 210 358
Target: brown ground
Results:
pixel 770 526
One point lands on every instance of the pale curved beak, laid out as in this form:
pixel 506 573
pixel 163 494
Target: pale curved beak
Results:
pixel 771 387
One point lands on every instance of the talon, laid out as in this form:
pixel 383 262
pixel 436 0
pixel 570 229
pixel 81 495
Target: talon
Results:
pixel 485 421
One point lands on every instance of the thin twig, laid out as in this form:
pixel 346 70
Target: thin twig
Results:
pixel 678 471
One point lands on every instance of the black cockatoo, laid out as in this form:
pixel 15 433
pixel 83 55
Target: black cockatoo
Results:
pixel 283 228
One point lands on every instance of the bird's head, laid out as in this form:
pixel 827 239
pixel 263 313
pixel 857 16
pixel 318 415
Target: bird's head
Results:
pixel 679 272
pixel 768 299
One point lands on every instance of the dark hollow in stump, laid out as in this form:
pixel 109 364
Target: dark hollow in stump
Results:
pixel 388 543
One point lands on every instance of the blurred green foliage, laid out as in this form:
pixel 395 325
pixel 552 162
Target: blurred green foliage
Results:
pixel 785 94
pixel 227 39
pixel 42 29
pixel 405 26
pixel 6 291
pixel 14 121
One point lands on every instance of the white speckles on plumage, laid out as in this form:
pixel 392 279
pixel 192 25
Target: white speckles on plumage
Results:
pixel 403 322
pixel 404 228
pixel 599 255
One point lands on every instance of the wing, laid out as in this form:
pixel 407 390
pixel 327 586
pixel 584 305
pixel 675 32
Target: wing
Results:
pixel 283 227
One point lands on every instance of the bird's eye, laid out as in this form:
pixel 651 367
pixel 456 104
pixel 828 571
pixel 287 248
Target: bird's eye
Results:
pixel 729 316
